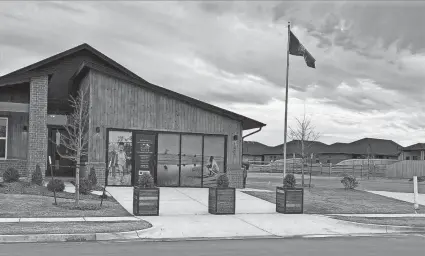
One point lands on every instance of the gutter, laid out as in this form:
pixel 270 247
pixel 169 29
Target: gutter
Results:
pixel 243 137
pixel 254 132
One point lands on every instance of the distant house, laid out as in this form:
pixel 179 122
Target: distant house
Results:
pixel 334 153
pixel 413 152
pixel 360 149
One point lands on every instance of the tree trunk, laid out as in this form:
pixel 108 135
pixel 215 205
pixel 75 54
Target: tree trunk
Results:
pixel 77 182
pixel 302 172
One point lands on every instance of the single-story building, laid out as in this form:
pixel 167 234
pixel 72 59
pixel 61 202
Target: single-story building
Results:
pixel 133 125
pixel 413 152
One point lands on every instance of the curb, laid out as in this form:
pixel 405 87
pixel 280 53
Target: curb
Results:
pixel 40 238
pixel 386 228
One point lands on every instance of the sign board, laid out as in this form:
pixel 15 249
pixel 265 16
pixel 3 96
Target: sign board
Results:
pixel 144 153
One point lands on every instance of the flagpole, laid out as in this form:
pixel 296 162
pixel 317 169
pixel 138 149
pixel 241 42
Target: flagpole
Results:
pixel 286 102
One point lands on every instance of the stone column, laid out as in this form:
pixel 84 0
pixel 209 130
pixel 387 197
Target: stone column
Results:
pixel 37 132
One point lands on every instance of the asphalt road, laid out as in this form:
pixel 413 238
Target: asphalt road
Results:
pixel 406 245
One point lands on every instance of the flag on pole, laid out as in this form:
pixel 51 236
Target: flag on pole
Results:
pixel 297 49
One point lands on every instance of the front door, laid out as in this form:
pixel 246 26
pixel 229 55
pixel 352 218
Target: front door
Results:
pixel 62 167
pixel 168 167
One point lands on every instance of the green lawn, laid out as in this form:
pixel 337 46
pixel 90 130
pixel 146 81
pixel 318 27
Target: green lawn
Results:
pixel 341 201
pixel 71 227
pixel 404 221
pixel 32 206
pixel 23 200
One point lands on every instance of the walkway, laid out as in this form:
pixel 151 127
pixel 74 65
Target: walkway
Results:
pixel 191 201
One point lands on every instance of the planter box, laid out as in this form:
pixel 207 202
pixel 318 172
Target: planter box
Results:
pixel 289 200
pixel 222 200
pixel 146 201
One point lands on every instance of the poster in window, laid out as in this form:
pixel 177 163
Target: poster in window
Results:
pixel 119 158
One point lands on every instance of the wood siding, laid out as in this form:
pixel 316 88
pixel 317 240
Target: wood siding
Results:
pixel 406 169
pixel 17 139
pixel 117 104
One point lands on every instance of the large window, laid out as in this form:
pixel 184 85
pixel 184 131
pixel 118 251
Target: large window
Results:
pixel 120 150
pixel 3 138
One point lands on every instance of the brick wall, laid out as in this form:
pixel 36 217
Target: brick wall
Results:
pixel 37 132
pixel 18 164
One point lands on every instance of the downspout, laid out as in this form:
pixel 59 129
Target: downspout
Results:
pixel 254 132
pixel 243 137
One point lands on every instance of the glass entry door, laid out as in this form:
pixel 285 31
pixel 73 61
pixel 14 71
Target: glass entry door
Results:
pixel 191 161
pixel 168 164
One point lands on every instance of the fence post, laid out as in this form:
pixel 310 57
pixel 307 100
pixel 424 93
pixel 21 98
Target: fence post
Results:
pixel 330 169
pixel 321 169
pixel 361 171
pixel 354 175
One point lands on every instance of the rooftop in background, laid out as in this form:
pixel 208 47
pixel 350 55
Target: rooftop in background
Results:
pixel 372 145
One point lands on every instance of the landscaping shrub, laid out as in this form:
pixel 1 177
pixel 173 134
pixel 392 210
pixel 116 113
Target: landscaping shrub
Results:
pixel 85 186
pixel 56 185
pixel 92 177
pixel 222 181
pixel 349 182
pixel 146 181
pixel 37 176
pixel 11 175
pixel 289 181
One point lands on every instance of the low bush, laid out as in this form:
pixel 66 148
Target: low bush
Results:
pixel 289 181
pixel 146 181
pixel 11 175
pixel 85 186
pixel 223 181
pixel 92 177
pixel 56 185
pixel 37 176
pixel 349 182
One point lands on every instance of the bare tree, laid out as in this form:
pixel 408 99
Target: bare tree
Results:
pixel 76 137
pixel 304 133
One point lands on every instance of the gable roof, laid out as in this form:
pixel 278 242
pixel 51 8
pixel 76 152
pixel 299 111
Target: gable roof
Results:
pixel 417 146
pixel 125 74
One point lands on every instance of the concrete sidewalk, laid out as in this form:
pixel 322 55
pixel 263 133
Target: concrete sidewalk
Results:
pixel 376 215
pixel 191 201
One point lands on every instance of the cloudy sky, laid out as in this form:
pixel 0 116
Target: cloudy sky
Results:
pixel 370 57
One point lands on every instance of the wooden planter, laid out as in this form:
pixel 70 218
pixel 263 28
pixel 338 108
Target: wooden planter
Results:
pixel 289 200
pixel 221 200
pixel 146 201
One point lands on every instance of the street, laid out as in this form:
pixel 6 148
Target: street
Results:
pixel 400 245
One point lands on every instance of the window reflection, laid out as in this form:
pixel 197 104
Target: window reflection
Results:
pixel 168 159
pixel 191 161
pixel 213 159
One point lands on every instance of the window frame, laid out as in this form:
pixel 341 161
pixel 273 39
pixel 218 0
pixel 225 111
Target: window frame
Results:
pixel 5 138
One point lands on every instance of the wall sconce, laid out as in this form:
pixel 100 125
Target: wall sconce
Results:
pixel 235 137
pixel 25 128
pixel 98 130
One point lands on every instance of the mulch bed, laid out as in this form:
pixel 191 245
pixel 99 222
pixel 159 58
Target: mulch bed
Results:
pixel 23 187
